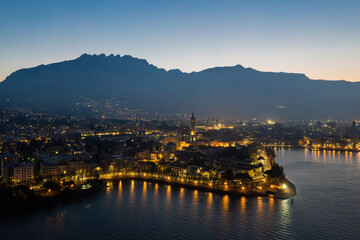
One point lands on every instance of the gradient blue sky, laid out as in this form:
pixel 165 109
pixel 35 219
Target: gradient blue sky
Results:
pixel 320 38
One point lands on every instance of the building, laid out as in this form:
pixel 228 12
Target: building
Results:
pixel 19 172
pixel 5 160
pixel 50 170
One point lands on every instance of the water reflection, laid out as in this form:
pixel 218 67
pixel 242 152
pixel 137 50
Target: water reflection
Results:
pixel 182 190
pixel 225 202
pixel 271 204
pixel 243 205
pixel 285 217
pixel 120 187
pixel 144 194
pixel 120 190
pixel 156 188
pixel 55 223
pixel 358 157
pixel 325 156
pixel 346 157
pixel 168 196
pixel 326 190
pixel 144 188
pixel 108 184
pixel 260 204
pixel 168 191
pixel 182 196
pixel 132 194
pixel 210 199
pixel 195 202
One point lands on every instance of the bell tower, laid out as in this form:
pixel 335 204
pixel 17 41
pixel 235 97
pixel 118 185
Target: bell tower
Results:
pixel 192 125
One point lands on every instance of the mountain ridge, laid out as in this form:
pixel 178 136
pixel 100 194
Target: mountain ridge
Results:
pixel 230 91
pixel 117 56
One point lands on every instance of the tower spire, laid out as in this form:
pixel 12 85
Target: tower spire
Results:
pixel 192 125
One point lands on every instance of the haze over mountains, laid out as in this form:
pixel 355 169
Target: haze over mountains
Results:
pixel 228 92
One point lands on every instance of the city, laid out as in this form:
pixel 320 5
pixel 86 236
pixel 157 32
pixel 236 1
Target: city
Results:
pixel 179 119
pixel 47 155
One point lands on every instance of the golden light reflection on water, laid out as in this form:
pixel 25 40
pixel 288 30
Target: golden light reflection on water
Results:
pixel 260 205
pixel 132 187
pixel 144 190
pixel 285 216
pixel 182 196
pixel 168 195
pixel 132 192
pixel 346 157
pixel 210 209
pixel 144 187
pixel 155 195
pixel 272 204
pixel 270 207
pixel 144 195
pixel 196 195
pixel 195 201
pixel 210 199
pixel 120 191
pixel 225 202
pixel 315 156
pixel 243 205
pixel 358 157
pixel 182 192
pixel 282 153
pixel 108 184
pixel 156 188
pixel 168 191
pixel 120 187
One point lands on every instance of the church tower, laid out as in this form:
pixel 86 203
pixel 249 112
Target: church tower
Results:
pixel 192 125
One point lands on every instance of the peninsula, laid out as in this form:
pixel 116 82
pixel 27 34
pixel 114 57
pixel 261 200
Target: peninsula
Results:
pixel 47 158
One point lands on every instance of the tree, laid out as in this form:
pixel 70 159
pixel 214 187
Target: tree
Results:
pixel 52 185
pixel 276 173
pixel 228 175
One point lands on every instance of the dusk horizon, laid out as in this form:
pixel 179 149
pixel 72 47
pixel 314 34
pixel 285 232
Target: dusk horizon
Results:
pixel 303 37
pixel 169 69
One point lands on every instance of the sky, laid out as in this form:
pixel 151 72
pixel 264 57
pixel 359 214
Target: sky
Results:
pixel 320 38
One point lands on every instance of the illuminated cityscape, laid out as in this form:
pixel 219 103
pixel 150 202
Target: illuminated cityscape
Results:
pixel 179 119
pixel 39 150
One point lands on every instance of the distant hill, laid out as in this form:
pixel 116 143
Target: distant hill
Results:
pixel 220 92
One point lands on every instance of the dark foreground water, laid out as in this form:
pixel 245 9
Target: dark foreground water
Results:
pixel 327 207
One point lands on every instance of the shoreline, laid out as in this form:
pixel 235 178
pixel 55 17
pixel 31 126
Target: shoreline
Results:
pixel 21 207
pixel 315 148
pixel 289 192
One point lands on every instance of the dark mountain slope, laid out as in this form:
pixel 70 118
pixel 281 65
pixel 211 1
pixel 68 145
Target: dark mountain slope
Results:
pixel 222 91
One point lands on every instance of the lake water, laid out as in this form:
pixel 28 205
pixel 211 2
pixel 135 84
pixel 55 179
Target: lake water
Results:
pixel 327 207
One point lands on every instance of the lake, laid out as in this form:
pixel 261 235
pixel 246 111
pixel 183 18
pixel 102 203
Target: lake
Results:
pixel 326 207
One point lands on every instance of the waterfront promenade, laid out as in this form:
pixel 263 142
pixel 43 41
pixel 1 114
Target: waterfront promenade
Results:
pixel 283 189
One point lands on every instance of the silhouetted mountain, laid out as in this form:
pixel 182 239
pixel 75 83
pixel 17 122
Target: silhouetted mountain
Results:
pixel 221 91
